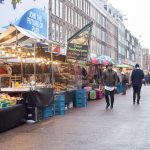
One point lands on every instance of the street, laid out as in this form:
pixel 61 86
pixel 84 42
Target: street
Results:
pixel 126 127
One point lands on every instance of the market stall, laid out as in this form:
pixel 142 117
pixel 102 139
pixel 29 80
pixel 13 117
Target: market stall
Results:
pixel 18 49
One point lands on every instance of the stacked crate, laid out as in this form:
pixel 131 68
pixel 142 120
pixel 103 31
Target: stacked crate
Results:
pixel 48 112
pixel 59 104
pixel 81 98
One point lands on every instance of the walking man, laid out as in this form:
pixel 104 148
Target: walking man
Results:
pixel 110 83
pixel 136 78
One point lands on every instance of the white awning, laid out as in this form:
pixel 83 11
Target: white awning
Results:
pixel 15 34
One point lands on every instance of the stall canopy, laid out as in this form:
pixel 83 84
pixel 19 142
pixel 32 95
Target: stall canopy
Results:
pixel 22 36
pixel 123 66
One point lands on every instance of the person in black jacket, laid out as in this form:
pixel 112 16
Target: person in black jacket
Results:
pixel 136 78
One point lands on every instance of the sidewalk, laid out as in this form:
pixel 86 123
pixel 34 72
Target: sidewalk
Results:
pixel 126 127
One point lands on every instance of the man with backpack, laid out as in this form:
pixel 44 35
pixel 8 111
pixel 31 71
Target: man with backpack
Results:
pixel 110 83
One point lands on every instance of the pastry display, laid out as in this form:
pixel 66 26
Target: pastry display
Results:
pixel 7 100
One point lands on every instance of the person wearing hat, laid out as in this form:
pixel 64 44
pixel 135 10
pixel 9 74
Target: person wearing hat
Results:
pixel 136 79
pixel 110 83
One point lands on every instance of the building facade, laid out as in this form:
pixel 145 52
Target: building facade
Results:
pixel 68 16
pixel 139 55
pixel 145 53
pixel 131 48
pixel 121 30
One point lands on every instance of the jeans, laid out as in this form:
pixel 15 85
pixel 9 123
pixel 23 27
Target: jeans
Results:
pixel 136 93
pixel 111 93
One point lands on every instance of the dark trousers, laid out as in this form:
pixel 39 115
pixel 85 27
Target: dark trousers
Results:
pixel 136 93
pixel 111 94
pixel 124 88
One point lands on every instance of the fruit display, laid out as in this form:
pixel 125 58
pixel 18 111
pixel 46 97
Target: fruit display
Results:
pixel 7 100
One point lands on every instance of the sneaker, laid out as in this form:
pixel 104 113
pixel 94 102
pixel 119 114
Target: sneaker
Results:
pixel 111 107
pixel 133 102
pixel 107 106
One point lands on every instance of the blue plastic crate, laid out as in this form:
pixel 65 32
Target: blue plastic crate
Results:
pixel 59 102
pixel 81 105
pixel 59 98
pixel 60 112
pixel 59 109
pixel 84 99
pixel 48 111
pixel 82 91
pixel 81 96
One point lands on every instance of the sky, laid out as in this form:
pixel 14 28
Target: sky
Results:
pixel 137 13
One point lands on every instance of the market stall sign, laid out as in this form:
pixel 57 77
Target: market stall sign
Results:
pixel 78 44
pixel 77 52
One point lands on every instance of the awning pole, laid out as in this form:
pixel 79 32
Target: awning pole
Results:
pixel 52 67
pixel 21 69
pixel 35 62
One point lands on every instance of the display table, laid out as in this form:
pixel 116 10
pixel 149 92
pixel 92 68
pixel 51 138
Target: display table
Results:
pixel 11 117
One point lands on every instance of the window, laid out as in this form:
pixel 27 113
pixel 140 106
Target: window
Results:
pixel 68 18
pixel 66 13
pixel 53 31
pixel 61 34
pixel 103 36
pixel 57 32
pixel 61 11
pixel 72 16
pixel 103 21
pixel 57 8
pixel 53 7
pixel 78 20
pixel 75 19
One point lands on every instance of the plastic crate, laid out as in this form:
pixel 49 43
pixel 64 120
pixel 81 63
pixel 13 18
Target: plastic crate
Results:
pixel 60 112
pixel 81 93
pixel 81 102
pixel 47 112
pixel 81 105
pixel 59 98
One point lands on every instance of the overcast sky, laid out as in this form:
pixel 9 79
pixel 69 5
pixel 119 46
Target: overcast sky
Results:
pixel 138 14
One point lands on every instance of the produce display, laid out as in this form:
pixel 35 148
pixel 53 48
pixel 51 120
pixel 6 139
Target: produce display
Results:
pixel 6 100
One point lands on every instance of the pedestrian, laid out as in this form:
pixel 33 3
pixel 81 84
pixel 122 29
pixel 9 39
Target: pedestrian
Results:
pixel 148 78
pixel 124 82
pixel 136 78
pixel 110 83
